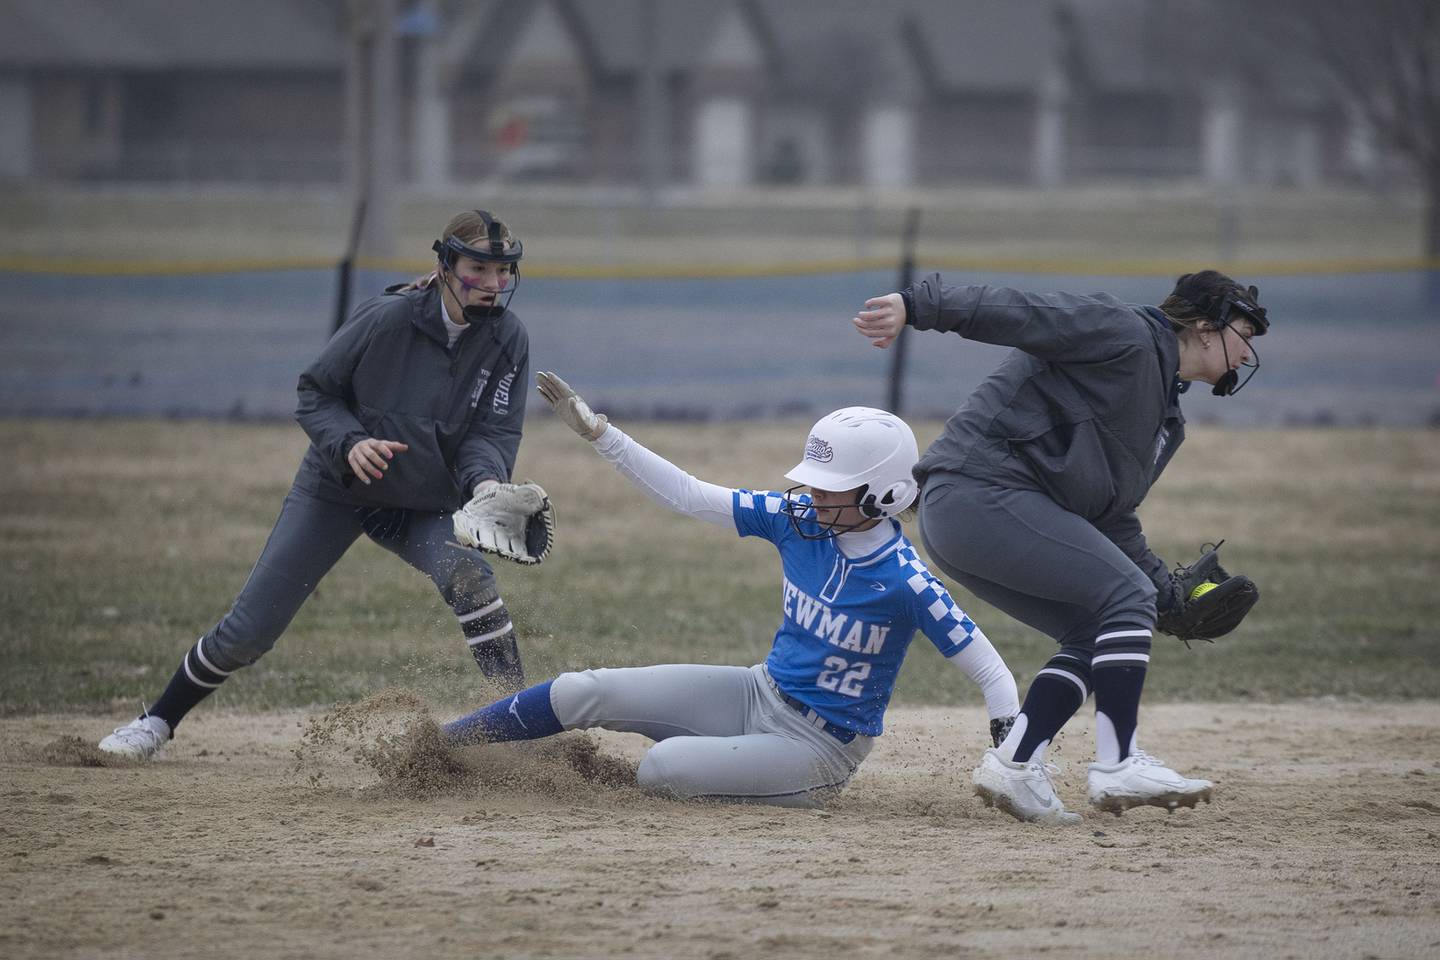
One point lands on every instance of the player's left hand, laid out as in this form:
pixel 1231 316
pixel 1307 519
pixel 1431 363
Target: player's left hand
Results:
pixel 882 319
pixel 1187 612
pixel 515 521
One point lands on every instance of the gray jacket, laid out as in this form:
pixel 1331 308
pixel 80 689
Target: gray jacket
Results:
pixel 387 374
pixel 1085 410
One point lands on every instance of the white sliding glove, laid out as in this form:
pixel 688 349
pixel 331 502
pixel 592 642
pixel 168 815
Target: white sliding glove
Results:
pixel 570 407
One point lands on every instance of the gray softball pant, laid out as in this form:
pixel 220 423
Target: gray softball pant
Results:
pixel 723 732
pixel 310 537
pixel 1031 558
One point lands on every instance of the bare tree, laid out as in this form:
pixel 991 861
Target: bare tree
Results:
pixel 1383 58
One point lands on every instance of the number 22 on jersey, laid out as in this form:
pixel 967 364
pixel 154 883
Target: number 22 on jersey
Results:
pixel 843 677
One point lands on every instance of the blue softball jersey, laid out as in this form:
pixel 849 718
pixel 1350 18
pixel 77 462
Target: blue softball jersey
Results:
pixel 848 621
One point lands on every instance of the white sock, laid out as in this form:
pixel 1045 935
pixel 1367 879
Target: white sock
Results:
pixel 1107 742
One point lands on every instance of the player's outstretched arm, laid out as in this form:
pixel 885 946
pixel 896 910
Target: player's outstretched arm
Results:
pixel 961 641
pixel 656 477
pixel 982 663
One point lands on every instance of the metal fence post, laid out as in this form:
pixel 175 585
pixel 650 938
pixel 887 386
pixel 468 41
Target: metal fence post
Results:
pixel 347 267
pixel 906 277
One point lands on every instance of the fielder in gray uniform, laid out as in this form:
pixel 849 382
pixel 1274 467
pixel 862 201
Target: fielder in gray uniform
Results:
pixel 792 730
pixel 1029 499
pixel 414 405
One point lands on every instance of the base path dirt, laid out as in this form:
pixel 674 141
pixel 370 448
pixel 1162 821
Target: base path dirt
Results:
pixel 346 834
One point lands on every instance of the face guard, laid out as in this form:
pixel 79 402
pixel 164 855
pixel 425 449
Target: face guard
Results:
pixel 855 448
pixel 493 250
pixel 799 507
pixel 1223 301
pixel 1233 308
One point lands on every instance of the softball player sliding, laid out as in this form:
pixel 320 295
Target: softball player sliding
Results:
pixel 793 730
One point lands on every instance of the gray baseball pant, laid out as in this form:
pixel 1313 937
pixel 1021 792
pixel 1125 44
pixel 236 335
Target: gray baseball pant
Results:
pixel 1030 557
pixel 723 732
pixel 310 537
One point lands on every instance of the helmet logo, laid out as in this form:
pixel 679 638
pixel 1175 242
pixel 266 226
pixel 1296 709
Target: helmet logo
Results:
pixel 817 449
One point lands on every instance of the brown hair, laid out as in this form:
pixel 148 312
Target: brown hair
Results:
pixel 1184 315
pixel 1186 306
pixel 470 228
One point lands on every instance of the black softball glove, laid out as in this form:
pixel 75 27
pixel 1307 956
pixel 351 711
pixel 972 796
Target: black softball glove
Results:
pixel 1204 601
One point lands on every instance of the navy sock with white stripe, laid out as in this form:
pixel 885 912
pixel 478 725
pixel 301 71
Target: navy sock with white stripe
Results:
pixel 526 715
pixel 1122 655
pixel 491 636
pixel 196 678
pixel 1058 690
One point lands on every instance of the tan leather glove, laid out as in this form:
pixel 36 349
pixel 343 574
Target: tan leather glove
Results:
pixel 570 407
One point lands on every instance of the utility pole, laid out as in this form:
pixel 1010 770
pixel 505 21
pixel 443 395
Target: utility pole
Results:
pixel 430 151
pixel 371 82
pixel 908 235
pixel 654 133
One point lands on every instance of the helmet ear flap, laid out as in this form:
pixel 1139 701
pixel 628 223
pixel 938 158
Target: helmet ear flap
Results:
pixel 887 504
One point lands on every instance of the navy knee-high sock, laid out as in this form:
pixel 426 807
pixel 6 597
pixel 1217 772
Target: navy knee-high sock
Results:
pixel 491 635
pixel 194 680
pixel 1058 690
pixel 525 716
pixel 1122 655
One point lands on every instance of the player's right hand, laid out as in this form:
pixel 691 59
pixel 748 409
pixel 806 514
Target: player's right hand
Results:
pixel 570 407
pixel 882 319
pixel 371 457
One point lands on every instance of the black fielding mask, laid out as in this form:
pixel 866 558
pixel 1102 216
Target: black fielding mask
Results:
pixel 490 250
pixel 1221 299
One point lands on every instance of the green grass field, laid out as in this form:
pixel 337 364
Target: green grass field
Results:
pixel 122 541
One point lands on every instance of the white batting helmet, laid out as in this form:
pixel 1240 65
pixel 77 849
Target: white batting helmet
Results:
pixel 862 447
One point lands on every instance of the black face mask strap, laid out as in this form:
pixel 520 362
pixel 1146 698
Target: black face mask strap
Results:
pixel 493 233
pixel 1225 386
pixel 443 254
pixel 449 248
pixel 446 256
pixel 1229 383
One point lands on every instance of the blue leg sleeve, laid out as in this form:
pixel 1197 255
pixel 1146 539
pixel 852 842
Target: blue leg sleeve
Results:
pixel 525 716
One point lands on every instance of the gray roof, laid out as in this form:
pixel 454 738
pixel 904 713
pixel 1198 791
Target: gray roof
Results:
pixel 986 45
pixel 171 34
pixel 830 46
pixel 851 49
pixel 835 47
pixel 1120 46
pixel 682 29
pixel 821 50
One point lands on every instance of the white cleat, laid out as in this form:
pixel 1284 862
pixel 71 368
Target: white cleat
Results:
pixel 1022 790
pixel 139 739
pixel 1142 780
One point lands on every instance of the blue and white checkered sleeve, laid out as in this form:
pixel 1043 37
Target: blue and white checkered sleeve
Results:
pixel 959 640
pixel 937 614
pixel 758 514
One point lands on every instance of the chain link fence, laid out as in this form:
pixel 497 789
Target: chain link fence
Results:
pixel 1348 349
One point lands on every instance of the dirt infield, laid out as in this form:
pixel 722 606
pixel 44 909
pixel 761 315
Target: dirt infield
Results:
pixel 303 834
